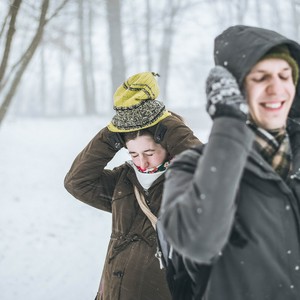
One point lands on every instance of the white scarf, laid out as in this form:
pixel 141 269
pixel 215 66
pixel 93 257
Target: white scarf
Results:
pixel 145 179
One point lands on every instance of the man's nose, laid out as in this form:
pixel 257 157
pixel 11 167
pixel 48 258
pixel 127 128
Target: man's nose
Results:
pixel 275 86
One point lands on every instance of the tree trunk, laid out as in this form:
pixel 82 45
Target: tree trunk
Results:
pixel 165 55
pixel 148 36
pixel 115 43
pixel 85 16
pixel 92 101
pixel 135 22
pixel 43 94
pixel 295 22
pixel 25 61
pixel 19 68
pixel 241 8
pixel 14 9
pixel 258 13
pixel 83 60
pixel 276 20
pixel 5 22
pixel 61 88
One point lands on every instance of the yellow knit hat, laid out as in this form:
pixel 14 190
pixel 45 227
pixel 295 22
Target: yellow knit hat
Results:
pixel 136 105
pixel 282 52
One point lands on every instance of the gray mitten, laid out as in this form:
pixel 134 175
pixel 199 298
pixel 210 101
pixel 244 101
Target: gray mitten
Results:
pixel 224 97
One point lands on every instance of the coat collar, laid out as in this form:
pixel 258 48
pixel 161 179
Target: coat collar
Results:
pixel 257 165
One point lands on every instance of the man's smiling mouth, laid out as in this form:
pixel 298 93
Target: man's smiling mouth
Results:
pixel 273 105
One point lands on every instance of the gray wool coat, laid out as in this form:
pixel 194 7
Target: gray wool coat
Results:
pixel 227 207
pixel 131 270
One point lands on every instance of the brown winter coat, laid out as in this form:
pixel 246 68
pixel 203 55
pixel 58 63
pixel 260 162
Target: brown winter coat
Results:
pixel 131 271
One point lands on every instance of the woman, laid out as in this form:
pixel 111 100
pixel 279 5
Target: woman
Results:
pixel 153 136
pixel 237 206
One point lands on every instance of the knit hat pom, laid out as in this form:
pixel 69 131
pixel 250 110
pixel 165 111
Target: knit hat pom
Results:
pixel 141 86
pixel 136 105
pixel 283 52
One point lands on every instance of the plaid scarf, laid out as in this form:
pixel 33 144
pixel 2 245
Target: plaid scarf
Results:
pixel 274 146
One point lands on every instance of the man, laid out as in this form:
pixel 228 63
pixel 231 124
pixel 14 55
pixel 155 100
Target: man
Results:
pixel 235 206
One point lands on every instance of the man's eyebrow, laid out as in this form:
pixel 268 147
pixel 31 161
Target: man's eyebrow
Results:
pixel 265 71
pixel 287 69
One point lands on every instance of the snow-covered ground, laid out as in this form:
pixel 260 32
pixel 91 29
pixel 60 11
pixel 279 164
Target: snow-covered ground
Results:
pixel 52 246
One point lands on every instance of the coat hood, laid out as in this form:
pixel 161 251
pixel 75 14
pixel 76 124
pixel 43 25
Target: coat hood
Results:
pixel 240 47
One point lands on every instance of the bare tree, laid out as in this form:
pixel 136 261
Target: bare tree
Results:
pixel 5 22
pixel 148 35
pixel 92 102
pixel 222 20
pixel 171 10
pixel 85 18
pixel 276 15
pixel 65 52
pixel 135 26
pixel 14 9
pixel 241 9
pixel 118 70
pixel 295 6
pixel 43 94
pixel 21 65
pixel 62 75
pixel 258 12
pixel 83 59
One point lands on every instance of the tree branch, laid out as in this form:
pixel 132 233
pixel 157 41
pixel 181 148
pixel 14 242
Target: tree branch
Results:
pixel 26 59
pixel 10 33
pixel 58 9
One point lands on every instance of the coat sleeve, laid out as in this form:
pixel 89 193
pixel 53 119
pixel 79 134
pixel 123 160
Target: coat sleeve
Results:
pixel 175 136
pixel 87 179
pixel 199 194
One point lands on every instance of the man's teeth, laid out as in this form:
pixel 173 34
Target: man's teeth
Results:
pixel 273 105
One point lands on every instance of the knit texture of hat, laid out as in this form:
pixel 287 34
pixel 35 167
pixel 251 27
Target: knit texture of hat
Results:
pixel 283 52
pixel 136 105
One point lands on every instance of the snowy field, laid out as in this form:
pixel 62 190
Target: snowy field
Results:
pixel 52 247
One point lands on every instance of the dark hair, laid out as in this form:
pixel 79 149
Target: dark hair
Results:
pixel 128 136
pixel 132 135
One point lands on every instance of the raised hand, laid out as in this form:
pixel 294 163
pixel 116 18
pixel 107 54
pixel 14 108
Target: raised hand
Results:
pixel 224 97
